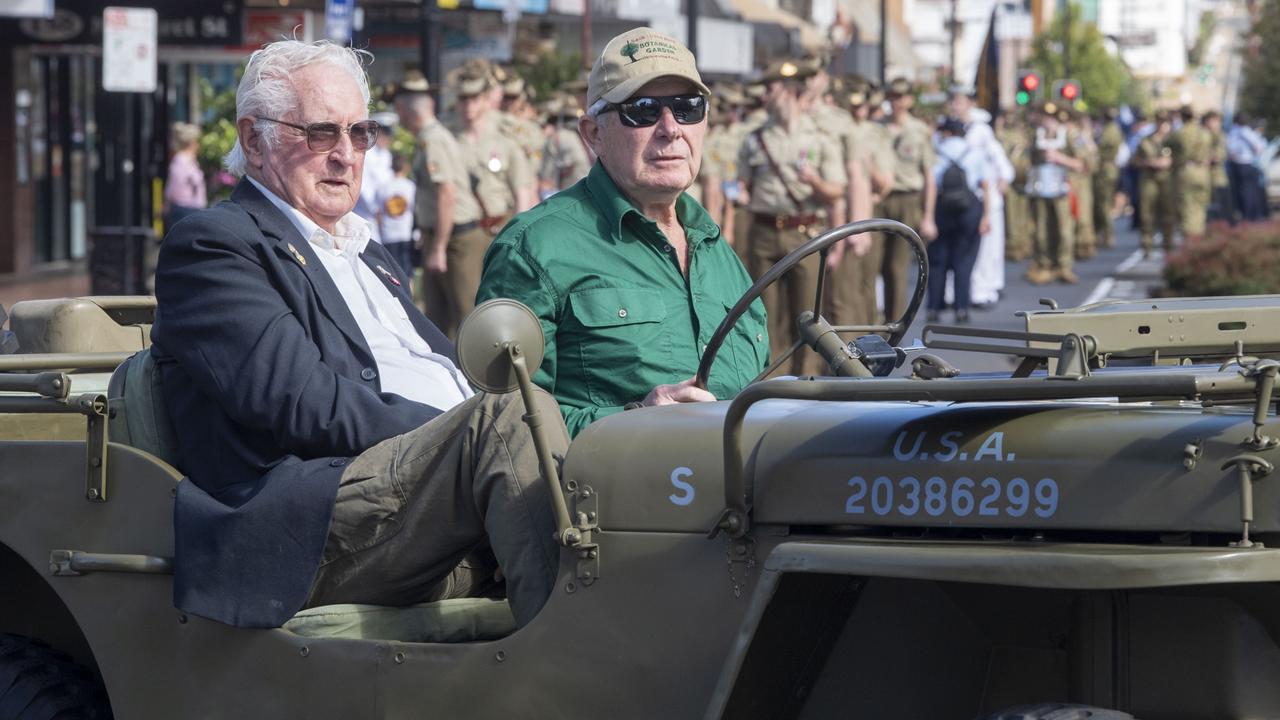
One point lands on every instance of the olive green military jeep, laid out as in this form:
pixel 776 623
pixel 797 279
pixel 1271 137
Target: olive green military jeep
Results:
pixel 899 540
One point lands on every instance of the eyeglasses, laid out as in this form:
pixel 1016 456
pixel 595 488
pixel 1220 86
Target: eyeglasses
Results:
pixel 645 111
pixel 323 136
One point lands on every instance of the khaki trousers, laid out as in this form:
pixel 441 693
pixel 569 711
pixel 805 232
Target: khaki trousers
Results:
pixel 450 296
pixel 1158 210
pixel 908 209
pixel 785 299
pixel 410 508
pixel 853 286
pixel 1055 233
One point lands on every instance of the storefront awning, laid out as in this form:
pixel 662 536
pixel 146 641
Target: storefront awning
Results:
pixel 760 13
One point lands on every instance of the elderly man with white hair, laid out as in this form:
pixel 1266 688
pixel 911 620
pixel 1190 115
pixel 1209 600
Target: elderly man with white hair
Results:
pixel 629 275
pixel 335 452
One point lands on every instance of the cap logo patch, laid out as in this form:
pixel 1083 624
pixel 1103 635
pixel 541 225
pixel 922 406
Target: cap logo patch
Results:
pixel 788 70
pixel 648 45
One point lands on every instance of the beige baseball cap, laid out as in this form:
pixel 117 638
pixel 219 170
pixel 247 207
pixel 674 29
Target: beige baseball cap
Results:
pixel 636 58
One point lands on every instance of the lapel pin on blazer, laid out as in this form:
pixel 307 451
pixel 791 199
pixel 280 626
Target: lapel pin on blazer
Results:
pixel 387 273
pixel 302 259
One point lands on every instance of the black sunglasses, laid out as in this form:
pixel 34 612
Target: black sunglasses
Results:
pixel 323 136
pixel 645 111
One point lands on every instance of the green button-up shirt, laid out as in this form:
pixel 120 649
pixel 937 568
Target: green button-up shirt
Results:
pixel 619 316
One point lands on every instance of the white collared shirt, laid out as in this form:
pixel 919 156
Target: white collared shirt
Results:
pixel 407 365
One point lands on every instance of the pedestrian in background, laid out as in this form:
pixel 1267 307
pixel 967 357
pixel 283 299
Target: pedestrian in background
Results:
pixel 913 193
pixel 966 191
pixel 1107 196
pixel 184 190
pixel 395 214
pixel 988 269
pixel 1052 159
pixel 792 172
pixel 1154 159
pixel 377 172
pixel 1244 149
pixel 1221 205
pixel 1192 152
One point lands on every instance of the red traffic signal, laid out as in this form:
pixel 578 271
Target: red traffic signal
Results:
pixel 1031 82
pixel 1067 90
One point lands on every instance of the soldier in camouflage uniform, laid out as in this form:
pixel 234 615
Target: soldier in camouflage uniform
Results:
pixel 1154 160
pixel 721 189
pixel 1019 229
pixel 516 119
pixel 1106 179
pixel 1221 193
pixel 868 160
pixel 1052 159
pixel 912 195
pixel 792 173
pixel 444 211
pixel 501 183
pixel 1192 153
pixel 565 157
pixel 1081 130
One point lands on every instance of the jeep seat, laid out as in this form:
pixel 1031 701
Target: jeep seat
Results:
pixel 138 418
pixel 83 325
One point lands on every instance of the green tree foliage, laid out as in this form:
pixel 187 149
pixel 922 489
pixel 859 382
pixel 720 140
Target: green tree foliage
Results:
pixel 218 135
pixel 1105 81
pixel 1260 93
pixel 552 72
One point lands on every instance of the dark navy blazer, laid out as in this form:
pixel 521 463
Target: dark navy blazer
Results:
pixel 271 389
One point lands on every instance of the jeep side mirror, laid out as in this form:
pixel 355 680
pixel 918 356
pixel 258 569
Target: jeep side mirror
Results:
pixel 500 341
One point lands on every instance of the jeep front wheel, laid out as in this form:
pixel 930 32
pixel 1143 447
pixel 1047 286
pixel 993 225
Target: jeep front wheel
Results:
pixel 40 683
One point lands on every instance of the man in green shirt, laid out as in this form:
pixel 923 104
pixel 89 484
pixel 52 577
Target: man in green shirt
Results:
pixel 628 274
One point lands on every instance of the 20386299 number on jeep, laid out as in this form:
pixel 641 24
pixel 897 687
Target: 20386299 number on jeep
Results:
pixel 898 539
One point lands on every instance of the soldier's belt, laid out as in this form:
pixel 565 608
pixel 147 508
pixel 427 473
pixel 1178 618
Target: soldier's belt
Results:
pixel 493 224
pixel 785 222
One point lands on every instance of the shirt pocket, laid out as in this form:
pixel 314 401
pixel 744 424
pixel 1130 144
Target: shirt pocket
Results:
pixel 623 342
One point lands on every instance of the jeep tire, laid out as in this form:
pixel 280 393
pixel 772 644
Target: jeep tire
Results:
pixel 40 683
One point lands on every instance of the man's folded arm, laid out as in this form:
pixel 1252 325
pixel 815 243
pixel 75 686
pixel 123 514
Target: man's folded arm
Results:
pixel 233 334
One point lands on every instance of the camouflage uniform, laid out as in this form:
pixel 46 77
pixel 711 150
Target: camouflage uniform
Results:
pixel 1082 186
pixel 1155 188
pixel 438 160
pixel 1019 228
pixel 1192 148
pixel 1106 177
pixel 779 225
pixel 912 160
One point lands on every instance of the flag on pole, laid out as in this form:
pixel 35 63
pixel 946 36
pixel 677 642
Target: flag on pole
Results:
pixel 987 83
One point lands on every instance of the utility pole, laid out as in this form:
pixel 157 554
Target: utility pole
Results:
pixel 1064 6
pixel 691 33
pixel 587 58
pixel 429 41
pixel 884 42
pixel 955 28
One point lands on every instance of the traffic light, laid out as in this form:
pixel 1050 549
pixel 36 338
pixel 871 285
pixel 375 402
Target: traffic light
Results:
pixel 1067 92
pixel 1028 87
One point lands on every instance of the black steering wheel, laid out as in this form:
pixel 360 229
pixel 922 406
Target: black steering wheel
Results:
pixel 822 244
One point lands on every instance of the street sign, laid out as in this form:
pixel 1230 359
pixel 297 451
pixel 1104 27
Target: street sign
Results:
pixel 27 8
pixel 338 16
pixel 129 49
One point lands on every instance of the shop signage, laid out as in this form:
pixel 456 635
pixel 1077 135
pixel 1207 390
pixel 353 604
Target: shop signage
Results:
pixel 179 22
pixel 129 49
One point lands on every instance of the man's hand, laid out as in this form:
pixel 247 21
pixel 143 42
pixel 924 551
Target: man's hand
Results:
pixel 834 255
pixel 438 261
pixel 928 230
pixel 859 244
pixel 681 392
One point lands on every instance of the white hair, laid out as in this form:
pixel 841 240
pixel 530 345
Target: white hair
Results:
pixel 266 90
